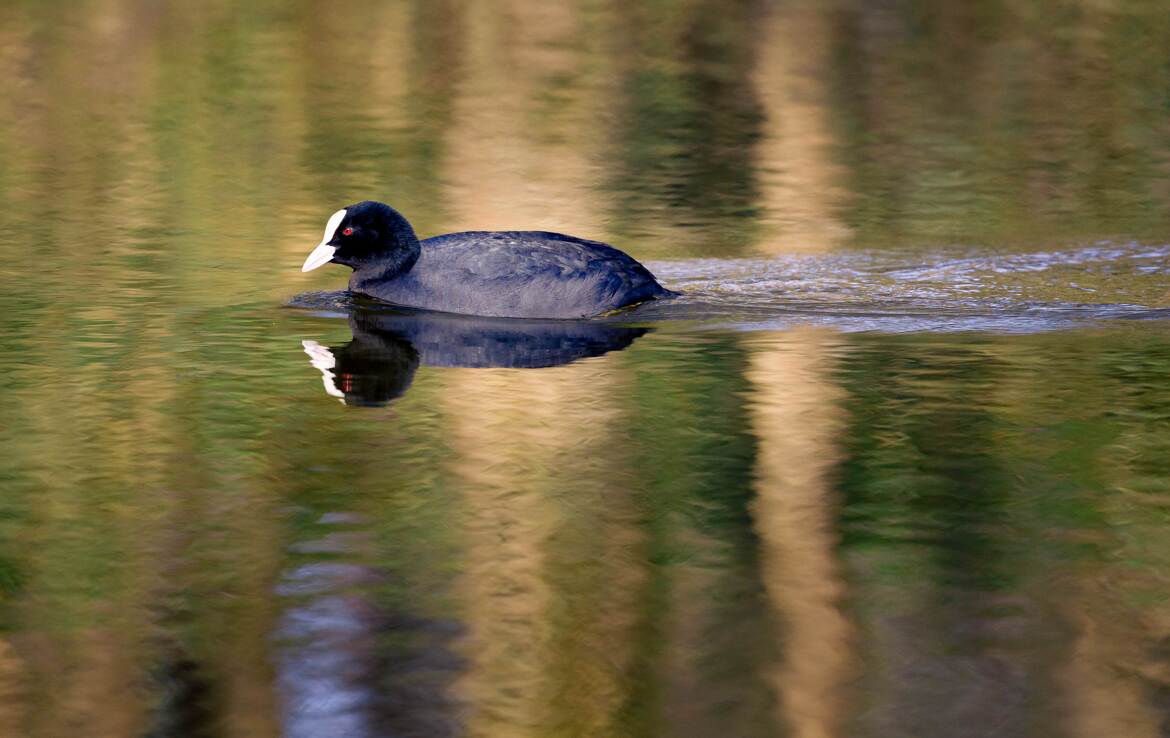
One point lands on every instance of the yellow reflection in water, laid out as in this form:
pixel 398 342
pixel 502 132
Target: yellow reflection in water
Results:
pixel 12 670
pixel 1116 663
pixel 550 571
pixel 798 424
pixel 1107 691
pixel 525 128
pixel 800 179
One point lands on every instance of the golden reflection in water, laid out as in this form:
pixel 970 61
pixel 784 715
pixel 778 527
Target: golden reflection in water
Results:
pixel 12 667
pixel 1107 677
pixel 1117 670
pixel 525 128
pixel 797 423
pixel 550 569
pixel 800 180
pixel 97 672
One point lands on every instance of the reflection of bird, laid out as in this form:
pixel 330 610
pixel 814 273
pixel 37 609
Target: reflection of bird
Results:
pixel 378 365
pixel 365 372
pixel 512 274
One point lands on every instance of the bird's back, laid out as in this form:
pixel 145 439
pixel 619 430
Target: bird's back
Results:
pixel 519 274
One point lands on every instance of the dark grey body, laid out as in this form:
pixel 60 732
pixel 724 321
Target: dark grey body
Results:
pixel 514 274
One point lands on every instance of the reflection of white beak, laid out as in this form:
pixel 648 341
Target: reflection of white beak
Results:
pixel 320 257
pixel 322 358
pixel 324 252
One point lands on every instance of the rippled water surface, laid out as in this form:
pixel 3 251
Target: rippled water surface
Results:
pixel 896 463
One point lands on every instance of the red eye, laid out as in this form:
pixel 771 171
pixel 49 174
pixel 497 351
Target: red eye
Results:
pixel 347 232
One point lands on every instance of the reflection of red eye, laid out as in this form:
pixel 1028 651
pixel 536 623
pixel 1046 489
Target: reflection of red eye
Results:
pixel 347 232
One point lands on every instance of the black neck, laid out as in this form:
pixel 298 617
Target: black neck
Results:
pixel 393 262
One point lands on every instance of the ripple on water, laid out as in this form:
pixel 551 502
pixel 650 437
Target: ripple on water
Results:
pixel 950 290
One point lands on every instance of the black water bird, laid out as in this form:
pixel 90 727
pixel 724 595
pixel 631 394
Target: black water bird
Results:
pixel 508 274
pixel 379 364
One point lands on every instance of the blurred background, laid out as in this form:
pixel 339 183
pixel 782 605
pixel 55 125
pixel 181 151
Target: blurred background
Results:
pixel 794 520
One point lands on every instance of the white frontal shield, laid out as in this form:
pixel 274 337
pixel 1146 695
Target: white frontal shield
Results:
pixel 323 254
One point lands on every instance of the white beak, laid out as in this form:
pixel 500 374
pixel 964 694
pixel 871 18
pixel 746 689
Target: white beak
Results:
pixel 319 257
pixel 324 361
pixel 324 252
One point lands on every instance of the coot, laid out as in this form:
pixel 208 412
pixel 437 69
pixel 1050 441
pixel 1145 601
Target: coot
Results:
pixel 507 274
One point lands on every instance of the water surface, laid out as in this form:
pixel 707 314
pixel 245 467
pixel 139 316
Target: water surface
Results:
pixel 896 464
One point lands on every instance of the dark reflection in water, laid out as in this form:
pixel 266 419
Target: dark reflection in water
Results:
pixel 378 365
pixel 348 665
